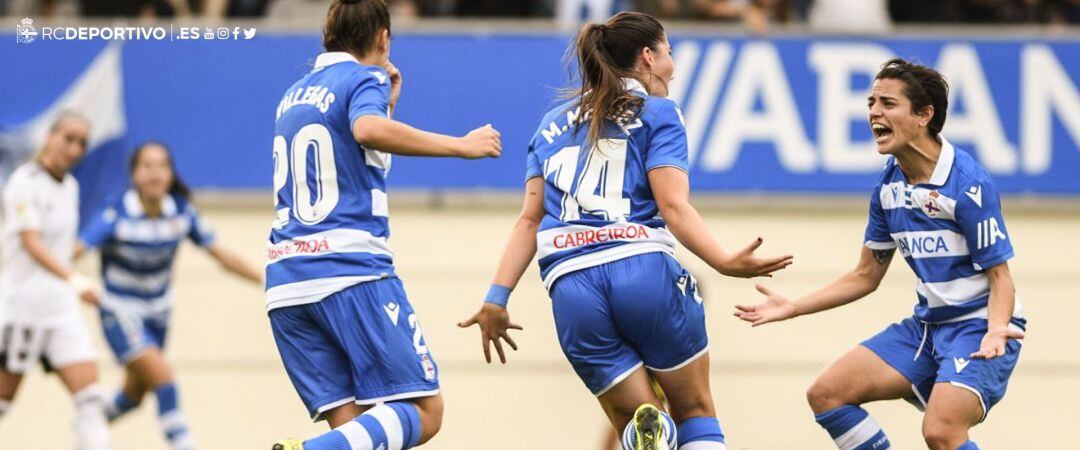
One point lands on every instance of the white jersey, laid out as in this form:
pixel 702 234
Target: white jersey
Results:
pixel 34 200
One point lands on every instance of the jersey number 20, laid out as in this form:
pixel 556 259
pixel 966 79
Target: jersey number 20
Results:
pixel 316 138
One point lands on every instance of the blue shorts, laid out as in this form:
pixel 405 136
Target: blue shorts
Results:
pixel 615 317
pixel 129 334
pixel 927 353
pixel 362 344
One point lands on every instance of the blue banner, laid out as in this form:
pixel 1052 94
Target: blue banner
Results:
pixel 781 115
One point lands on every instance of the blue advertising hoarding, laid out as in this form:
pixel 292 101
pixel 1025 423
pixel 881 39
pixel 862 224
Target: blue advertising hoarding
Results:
pixel 780 115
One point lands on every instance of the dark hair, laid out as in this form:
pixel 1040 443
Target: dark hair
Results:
pixel 923 87
pixel 177 187
pixel 354 25
pixel 606 54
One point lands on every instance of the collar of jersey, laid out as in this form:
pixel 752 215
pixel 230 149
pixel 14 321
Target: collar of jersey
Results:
pixel 134 207
pixel 331 58
pixel 632 84
pixel 944 163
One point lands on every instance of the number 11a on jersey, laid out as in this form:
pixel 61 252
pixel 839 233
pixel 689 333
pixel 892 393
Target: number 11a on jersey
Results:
pixel 595 189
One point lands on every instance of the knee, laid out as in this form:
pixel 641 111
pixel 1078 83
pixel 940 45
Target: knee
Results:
pixel 823 396
pixel 698 405
pixel 943 435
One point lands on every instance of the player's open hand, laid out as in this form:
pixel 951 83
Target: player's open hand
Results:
pixel 994 342
pixel 745 265
pixel 494 320
pixel 775 308
pixel 481 142
pixel 395 83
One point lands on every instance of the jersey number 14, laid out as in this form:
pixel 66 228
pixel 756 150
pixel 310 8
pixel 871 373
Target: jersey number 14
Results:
pixel 600 182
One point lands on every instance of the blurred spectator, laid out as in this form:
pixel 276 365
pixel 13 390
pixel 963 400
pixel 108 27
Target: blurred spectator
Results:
pixel 498 8
pixel 571 12
pixel 849 15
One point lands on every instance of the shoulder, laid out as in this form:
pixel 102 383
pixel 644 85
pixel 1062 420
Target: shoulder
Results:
pixel 25 179
pixel 661 110
pixel 968 170
pixel 356 75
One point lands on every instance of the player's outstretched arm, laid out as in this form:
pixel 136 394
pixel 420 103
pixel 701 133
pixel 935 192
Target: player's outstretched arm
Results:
pixel 1002 302
pixel 671 189
pixel 856 284
pixel 493 317
pixel 88 290
pixel 395 137
pixel 235 264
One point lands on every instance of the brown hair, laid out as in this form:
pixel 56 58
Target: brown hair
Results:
pixel 606 54
pixel 923 86
pixel 354 25
pixel 177 187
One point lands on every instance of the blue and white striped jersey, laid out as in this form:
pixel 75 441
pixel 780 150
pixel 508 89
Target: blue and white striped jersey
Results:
pixel 137 251
pixel 598 203
pixel 949 231
pixel 332 224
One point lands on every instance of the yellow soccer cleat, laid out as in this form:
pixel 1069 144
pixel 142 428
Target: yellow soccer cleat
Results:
pixel 649 429
pixel 289 444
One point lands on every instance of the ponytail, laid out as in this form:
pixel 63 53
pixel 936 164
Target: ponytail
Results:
pixel 606 55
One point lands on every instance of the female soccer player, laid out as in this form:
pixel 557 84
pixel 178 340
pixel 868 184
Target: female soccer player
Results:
pixel 937 205
pixel 350 341
pixel 607 189
pixel 39 314
pixel 139 235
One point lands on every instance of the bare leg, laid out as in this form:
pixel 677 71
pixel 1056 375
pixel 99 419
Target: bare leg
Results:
pixel 858 377
pixel 950 413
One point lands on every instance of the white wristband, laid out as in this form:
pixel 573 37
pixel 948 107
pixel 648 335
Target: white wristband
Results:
pixel 80 283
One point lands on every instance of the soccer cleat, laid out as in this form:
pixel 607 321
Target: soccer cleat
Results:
pixel 289 444
pixel 649 428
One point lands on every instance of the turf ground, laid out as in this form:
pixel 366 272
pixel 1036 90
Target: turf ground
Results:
pixel 236 394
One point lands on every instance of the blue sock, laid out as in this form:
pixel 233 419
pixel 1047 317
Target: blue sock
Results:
pixel 701 433
pixel 852 428
pixel 121 404
pixel 629 440
pixel 391 426
pixel 172 420
pixel 969 445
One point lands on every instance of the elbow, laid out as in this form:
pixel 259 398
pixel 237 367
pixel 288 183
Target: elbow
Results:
pixel 366 131
pixel 672 210
pixel 529 222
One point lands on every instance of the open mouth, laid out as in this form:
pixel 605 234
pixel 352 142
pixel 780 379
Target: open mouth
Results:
pixel 881 132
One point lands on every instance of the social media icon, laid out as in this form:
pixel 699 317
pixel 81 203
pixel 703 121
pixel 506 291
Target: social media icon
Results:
pixel 223 33
pixel 249 33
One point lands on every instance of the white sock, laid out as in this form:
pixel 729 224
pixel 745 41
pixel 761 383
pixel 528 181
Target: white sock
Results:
pixel 91 427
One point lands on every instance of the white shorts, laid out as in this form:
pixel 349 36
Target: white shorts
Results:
pixel 56 345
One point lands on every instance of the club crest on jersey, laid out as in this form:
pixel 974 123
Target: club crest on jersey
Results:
pixel 930 206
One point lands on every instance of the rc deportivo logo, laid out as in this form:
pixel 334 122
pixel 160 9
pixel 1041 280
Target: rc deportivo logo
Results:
pixel 25 32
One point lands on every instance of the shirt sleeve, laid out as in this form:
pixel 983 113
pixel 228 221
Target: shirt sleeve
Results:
pixel 200 232
pixel 21 206
pixel 532 164
pixel 978 211
pixel 100 229
pixel 877 235
pixel 371 96
pixel 667 146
